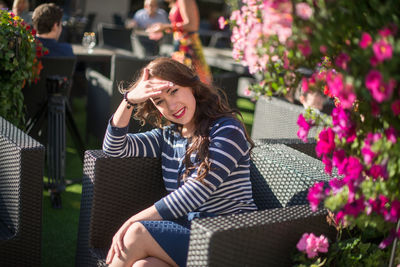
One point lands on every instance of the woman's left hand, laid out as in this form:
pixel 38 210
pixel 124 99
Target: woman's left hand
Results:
pixel 117 245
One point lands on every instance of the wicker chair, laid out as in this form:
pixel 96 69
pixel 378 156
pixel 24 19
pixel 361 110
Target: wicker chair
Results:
pixel 103 95
pixel 21 183
pixel 277 118
pixel 114 189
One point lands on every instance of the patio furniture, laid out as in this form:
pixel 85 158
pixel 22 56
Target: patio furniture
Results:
pixel 114 189
pixel 103 94
pixel 21 187
pixel 115 36
pixel 277 118
pixel 36 95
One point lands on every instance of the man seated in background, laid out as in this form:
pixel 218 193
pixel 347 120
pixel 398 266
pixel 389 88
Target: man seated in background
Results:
pixel 144 44
pixel 46 20
pixel 147 16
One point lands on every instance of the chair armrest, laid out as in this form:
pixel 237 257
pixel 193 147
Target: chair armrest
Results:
pixel 260 238
pixel 295 143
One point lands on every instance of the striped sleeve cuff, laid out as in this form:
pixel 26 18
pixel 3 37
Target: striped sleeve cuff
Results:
pixel 116 131
pixel 163 210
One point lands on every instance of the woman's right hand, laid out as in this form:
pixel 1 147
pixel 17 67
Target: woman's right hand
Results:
pixel 117 245
pixel 147 88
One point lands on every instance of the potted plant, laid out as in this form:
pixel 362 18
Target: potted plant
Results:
pixel 352 48
pixel 20 63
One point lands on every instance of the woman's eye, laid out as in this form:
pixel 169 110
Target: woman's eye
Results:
pixel 159 102
pixel 174 91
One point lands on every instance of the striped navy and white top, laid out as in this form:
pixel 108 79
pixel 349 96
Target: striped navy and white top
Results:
pixel 226 188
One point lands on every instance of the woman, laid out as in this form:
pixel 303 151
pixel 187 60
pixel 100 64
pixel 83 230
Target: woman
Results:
pixel 185 20
pixel 21 9
pixel 204 150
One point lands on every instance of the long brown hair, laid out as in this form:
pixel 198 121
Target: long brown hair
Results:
pixel 211 104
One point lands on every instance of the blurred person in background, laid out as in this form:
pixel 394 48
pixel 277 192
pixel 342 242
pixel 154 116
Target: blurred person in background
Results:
pixel 147 16
pixel 21 9
pixel 46 20
pixel 185 20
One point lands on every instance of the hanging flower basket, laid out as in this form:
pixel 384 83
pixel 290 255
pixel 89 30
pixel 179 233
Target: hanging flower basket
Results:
pixel 20 63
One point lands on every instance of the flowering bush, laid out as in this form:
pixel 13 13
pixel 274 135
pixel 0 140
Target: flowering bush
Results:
pixel 352 48
pixel 19 60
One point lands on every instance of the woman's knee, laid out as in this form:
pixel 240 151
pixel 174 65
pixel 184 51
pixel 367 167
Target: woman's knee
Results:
pixel 136 233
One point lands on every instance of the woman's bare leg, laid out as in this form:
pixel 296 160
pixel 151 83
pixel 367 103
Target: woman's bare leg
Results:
pixel 138 245
pixel 150 262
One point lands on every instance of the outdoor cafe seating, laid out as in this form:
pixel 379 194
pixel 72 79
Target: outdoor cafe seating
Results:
pixel 21 192
pixel 114 189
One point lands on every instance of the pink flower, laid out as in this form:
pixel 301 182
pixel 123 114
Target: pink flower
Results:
pixel 315 195
pixel 328 164
pixel 304 128
pixel 305 48
pixel 373 61
pixel 385 32
pixel 347 96
pixel 222 22
pixel 365 41
pixel 354 208
pixel 336 185
pixel 375 110
pixel 382 50
pixel 326 142
pixel 323 49
pixel 335 82
pixel 340 160
pixel 354 169
pixel 311 244
pixel 373 80
pixel 343 126
pixel 377 171
pixel 377 205
pixel 394 213
pixel 368 154
pixel 304 84
pixel 384 92
pixel 342 60
pixel 396 107
pixel 304 11
pixel 391 134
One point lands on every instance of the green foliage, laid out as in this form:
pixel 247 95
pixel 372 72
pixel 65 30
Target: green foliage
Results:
pixel 19 61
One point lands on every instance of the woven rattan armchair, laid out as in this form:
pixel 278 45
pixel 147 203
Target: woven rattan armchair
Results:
pixel 114 189
pixel 277 118
pixel 21 185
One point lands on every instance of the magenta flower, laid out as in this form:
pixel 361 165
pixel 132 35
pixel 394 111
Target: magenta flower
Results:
pixel 334 82
pixel 304 128
pixel 391 134
pixel 304 84
pixel 315 195
pixel 305 48
pixel 326 142
pixel 354 169
pixel 311 244
pixel 382 50
pixel 304 11
pixel 373 61
pixel 347 96
pixel 375 110
pixel 222 22
pixel 394 213
pixel 377 205
pixel 385 32
pixel 378 171
pixel 384 92
pixel 342 60
pixel 354 208
pixel 365 41
pixel 340 160
pixel 396 107
pixel 323 49
pixel 343 126
pixel 368 154
pixel 373 80
pixel 328 164
pixel 336 185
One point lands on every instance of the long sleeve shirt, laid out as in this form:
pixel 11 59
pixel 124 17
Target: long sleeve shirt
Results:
pixel 225 190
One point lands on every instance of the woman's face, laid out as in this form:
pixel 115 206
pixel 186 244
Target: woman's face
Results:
pixel 178 105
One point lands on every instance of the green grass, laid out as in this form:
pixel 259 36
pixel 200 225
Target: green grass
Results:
pixel 60 226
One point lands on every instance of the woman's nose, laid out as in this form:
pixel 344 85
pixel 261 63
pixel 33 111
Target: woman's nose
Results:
pixel 171 104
